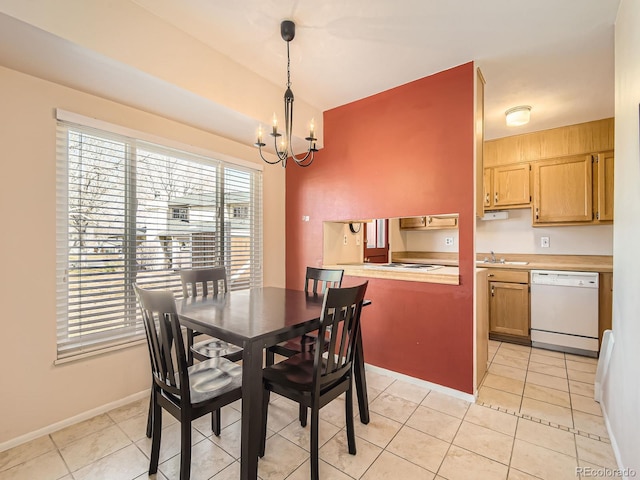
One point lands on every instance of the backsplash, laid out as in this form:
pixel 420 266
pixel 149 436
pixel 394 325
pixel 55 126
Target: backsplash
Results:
pixel 516 235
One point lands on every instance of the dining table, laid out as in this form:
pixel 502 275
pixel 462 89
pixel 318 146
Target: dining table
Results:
pixel 255 319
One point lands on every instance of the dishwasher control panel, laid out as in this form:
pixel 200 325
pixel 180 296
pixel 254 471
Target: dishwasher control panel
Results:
pixel 564 278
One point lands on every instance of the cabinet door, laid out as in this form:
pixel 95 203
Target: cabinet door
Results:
pixel 509 308
pixel 435 221
pixel 604 207
pixel 413 222
pixel 511 185
pixel 487 189
pixel 562 190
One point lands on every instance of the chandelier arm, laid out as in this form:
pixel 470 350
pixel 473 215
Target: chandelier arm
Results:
pixel 268 161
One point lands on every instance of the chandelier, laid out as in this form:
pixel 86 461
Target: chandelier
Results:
pixel 284 147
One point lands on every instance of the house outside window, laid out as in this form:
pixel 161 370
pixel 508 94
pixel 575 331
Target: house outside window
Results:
pixel 135 212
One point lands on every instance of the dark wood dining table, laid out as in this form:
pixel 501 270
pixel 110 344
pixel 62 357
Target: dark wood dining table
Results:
pixel 255 319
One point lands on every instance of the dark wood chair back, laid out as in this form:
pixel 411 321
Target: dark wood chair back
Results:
pixel 164 339
pixel 198 279
pixel 339 326
pixel 321 279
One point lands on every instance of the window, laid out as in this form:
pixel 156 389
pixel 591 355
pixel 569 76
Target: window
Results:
pixel 180 213
pixel 241 212
pixel 134 211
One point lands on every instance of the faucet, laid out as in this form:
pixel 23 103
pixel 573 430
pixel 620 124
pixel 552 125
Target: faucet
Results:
pixel 493 257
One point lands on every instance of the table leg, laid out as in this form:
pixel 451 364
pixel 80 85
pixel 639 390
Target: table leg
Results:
pixel 251 410
pixel 361 382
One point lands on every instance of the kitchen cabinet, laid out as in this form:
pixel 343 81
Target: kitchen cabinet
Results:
pixel 509 312
pixel 429 222
pixel 507 186
pixel 573 190
pixel 581 138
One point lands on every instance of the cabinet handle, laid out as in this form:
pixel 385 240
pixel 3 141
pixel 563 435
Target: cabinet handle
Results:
pixel 537 213
pixel 495 199
pixel 429 220
pixel 492 292
pixel 491 275
pixel 486 198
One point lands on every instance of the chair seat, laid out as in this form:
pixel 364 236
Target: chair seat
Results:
pixel 215 347
pixel 296 371
pixel 212 378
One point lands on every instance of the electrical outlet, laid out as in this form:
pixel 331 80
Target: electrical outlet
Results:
pixel 345 241
pixel 544 242
pixel 448 241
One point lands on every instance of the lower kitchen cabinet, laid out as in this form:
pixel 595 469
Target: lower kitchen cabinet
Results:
pixel 509 313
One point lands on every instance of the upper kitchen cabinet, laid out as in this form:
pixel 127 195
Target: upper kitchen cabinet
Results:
pixel 573 190
pixel 429 222
pixel 582 138
pixel 507 187
pixel 562 190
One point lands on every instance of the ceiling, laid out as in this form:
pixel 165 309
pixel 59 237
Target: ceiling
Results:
pixel 557 56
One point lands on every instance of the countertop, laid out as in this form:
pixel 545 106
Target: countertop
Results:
pixel 445 275
pixel 576 263
pixel 450 275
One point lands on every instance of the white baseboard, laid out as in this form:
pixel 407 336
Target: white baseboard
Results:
pixel 54 427
pixel 467 397
pixel 612 438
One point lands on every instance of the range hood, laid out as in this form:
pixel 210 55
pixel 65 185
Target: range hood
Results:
pixel 497 215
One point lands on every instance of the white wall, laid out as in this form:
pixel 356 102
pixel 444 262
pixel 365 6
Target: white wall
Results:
pixel 35 393
pixel 621 399
pixel 516 235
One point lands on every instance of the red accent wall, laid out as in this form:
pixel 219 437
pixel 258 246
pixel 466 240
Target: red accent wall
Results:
pixel 406 151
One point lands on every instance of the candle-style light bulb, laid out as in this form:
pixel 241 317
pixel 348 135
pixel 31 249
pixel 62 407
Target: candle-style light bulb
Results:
pixel 312 129
pixel 260 134
pixel 275 124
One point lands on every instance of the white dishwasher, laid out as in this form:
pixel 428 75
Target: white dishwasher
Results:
pixel 564 311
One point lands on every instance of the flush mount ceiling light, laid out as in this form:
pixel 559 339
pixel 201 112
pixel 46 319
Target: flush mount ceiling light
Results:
pixel 284 149
pixel 517 116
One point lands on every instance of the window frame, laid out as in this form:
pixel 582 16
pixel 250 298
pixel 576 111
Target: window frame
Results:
pixel 133 334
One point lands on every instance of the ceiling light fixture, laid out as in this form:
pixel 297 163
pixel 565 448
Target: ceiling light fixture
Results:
pixel 517 116
pixel 285 149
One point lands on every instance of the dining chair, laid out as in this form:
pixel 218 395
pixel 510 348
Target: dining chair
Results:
pixel 186 392
pixel 196 281
pixel 314 378
pixel 317 281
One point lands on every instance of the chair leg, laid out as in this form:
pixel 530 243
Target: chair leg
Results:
pixel 157 431
pixel 216 422
pixel 351 437
pixel 265 412
pixel 150 414
pixel 315 467
pixel 185 448
pixel 303 415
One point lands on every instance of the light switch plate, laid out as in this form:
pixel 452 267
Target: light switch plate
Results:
pixel 544 242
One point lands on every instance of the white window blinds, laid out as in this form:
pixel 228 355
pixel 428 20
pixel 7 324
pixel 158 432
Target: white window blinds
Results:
pixel 133 211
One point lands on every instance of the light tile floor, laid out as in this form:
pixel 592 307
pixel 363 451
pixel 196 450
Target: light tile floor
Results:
pixel 535 419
